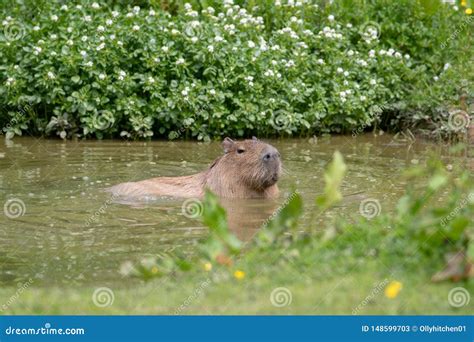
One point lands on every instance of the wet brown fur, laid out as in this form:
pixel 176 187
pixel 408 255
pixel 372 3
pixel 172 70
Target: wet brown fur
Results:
pixel 240 173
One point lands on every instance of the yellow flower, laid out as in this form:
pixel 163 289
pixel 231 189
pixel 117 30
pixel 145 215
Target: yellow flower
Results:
pixel 468 11
pixel 393 289
pixel 239 275
pixel 208 266
pixel 464 3
pixel 154 270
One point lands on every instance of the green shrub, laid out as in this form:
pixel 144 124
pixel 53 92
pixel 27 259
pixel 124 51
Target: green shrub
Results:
pixel 276 68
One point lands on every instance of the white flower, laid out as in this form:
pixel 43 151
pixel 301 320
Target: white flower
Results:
pixel 151 80
pixel 382 52
pixel 64 7
pixel 151 13
pixel 54 17
pixel 349 25
pixel 275 47
pixel 83 53
pixel 194 39
pixel 119 43
pixel 174 32
pixel 210 48
pixel 129 15
pixel 102 76
pixel 112 36
pixel 70 42
pixel 251 44
pixel 398 55
pixel 363 98
pixel 373 82
pixel 100 47
pixel 350 53
pixel 339 70
pixel 180 61
pixel 436 78
pixel 135 28
pixel 136 9
pixel 54 36
pixel 69 29
pixel 101 28
pixel 115 14
pixel 331 18
pixel 269 73
pixel 79 7
pixel 372 53
pixel 51 75
pixel 95 5
pixel 320 61
pixel 109 22
pixel 249 78
pixel 251 84
pixel 218 39
pixel 346 73
pixel 390 52
pixel 212 92
pixel 407 56
pixel 185 91
pixel 342 94
pixel 446 66
pixel 121 75
pixel 456 8
pixel 10 80
pixel 88 18
pixel 36 28
pixel 165 48
pixel 187 6
pixel 211 10
pixel 101 38
pixel 37 50
pixel 294 90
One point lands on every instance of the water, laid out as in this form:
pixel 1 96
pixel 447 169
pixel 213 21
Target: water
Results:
pixel 70 232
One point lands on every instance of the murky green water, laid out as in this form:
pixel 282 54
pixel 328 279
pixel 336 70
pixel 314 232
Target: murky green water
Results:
pixel 69 232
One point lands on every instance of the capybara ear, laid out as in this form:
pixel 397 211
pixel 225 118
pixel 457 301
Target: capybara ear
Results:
pixel 228 144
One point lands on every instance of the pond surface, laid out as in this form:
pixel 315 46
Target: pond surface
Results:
pixel 69 231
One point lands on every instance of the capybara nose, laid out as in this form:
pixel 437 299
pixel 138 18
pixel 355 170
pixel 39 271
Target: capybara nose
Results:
pixel 271 154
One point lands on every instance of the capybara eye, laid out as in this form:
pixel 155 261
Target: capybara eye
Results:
pixel 240 150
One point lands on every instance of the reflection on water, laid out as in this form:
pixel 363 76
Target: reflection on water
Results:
pixel 71 231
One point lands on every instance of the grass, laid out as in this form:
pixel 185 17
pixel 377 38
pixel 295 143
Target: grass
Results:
pixel 312 292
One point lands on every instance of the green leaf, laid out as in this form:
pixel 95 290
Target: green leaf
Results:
pixel 333 177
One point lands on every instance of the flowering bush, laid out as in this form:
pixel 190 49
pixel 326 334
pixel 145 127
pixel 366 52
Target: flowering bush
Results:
pixel 290 68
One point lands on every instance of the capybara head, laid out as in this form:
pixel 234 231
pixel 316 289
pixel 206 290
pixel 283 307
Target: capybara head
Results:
pixel 252 163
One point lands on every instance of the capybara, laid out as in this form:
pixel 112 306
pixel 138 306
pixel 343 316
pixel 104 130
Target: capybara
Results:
pixel 248 169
